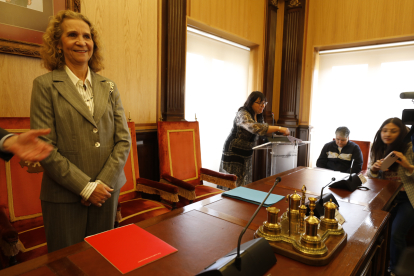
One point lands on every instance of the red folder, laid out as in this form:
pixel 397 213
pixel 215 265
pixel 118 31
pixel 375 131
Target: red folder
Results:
pixel 129 247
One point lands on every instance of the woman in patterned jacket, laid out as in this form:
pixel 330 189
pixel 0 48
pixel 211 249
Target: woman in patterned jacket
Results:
pixel 247 126
pixel 390 138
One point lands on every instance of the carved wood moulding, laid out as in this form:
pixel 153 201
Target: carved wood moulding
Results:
pixel 19 48
pixel 294 3
pixel 74 5
pixel 273 3
pixel 22 48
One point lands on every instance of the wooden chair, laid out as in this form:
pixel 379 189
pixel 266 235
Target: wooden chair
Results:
pixel 180 162
pixel 20 184
pixel 134 203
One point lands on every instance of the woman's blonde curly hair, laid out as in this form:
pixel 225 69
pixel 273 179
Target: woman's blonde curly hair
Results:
pixel 52 59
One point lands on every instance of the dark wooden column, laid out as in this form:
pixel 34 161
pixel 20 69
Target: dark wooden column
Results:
pixel 173 53
pixel 291 62
pixel 74 5
pixel 303 133
pixel 269 64
pixel 293 31
pixel 259 157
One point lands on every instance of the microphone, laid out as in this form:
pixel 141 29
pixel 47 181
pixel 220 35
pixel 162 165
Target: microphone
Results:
pixel 238 259
pixel 318 211
pixel 350 184
pixel 407 95
pixel 257 255
pixel 320 201
pixel 350 169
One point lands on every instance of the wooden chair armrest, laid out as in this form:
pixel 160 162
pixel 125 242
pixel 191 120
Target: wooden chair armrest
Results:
pixel 166 191
pixel 185 189
pixel 177 182
pixel 222 179
pixel 230 177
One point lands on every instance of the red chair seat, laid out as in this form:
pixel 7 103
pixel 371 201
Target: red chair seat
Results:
pixel 202 192
pixel 138 209
pixel 32 244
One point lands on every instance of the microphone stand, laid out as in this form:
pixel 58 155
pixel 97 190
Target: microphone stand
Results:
pixel 238 258
pixel 320 201
pixel 350 170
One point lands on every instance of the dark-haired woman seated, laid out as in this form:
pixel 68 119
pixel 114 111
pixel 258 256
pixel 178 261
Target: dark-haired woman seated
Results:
pixel 247 126
pixel 390 138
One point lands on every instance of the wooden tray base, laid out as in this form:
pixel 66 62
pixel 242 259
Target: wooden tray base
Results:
pixel 333 243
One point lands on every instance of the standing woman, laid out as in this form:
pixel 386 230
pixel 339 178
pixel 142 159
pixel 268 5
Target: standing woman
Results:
pixel 84 172
pixel 390 138
pixel 247 126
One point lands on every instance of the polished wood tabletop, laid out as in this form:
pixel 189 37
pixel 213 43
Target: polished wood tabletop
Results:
pixel 207 230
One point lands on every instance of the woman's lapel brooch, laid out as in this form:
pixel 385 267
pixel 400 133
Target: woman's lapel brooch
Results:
pixel 111 86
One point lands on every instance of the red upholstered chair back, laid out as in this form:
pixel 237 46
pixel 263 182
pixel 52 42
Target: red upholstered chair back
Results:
pixel 131 166
pixel 365 147
pixel 179 150
pixel 133 205
pixel 20 185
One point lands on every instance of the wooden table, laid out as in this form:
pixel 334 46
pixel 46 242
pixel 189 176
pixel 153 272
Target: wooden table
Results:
pixel 207 230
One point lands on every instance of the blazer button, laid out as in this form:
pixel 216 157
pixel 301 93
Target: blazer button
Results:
pixel 97 144
pixel 95 130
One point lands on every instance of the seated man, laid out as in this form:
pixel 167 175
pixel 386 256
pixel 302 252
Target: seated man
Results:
pixel 337 155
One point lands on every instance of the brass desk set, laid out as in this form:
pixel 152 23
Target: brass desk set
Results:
pixel 306 239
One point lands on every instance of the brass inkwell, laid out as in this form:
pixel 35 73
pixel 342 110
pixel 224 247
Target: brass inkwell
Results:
pixel 303 238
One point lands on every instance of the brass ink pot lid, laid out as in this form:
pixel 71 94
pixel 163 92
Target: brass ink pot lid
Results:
pixel 312 220
pixel 272 210
pixel 330 205
pixel 295 197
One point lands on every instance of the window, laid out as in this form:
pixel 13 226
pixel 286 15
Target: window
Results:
pixel 360 90
pixel 216 86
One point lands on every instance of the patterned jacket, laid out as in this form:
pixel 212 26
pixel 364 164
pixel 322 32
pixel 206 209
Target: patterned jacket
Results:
pixel 407 178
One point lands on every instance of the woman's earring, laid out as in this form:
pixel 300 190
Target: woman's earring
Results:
pixel 59 50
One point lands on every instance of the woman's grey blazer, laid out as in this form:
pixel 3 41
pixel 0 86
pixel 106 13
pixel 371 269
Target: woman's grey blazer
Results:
pixel 86 147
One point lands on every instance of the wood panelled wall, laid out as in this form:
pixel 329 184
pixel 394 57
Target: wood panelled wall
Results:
pixel 129 31
pixel 338 24
pixel 16 80
pixel 244 19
